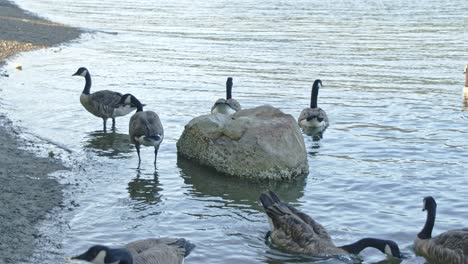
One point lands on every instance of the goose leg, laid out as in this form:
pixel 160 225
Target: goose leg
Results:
pixel 104 121
pixel 155 154
pixel 113 123
pixel 137 146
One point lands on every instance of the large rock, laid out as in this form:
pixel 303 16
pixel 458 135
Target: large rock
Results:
pixel 261 142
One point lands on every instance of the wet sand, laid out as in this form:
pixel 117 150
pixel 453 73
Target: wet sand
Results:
pixel 27 192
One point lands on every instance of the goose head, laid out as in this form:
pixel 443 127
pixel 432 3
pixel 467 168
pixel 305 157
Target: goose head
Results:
pixel 82 71
pixel 391 248
pixel 99 254
pixel 317 83
pixel 132 101
pixel 387 247
pixel 429 203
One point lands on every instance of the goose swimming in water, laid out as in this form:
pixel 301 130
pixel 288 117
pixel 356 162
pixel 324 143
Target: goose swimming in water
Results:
pixel 144 128
pixel 313 116
pixel 448 247
pixel 298 233
pixel 226 106
pixel 147 251
pixel 104 103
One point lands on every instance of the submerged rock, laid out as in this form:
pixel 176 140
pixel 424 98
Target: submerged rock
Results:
pixel 261 142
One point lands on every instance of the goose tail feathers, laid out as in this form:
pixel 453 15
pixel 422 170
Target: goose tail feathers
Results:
pixel 186 245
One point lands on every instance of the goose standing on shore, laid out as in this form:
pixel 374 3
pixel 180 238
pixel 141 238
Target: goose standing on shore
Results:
pixel 298 233
pixel 465 89
pixel 104 103
pixel 226 106
pixel 145 128
pixel 313 117
pixel 448 247
pixel 147 251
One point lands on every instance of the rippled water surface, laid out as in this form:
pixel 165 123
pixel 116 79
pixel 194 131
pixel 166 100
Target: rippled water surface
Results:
pixel 392 75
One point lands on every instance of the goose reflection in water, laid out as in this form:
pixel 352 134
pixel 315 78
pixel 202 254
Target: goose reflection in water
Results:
pixel 112 145
pixel 207 182
pixel 145 188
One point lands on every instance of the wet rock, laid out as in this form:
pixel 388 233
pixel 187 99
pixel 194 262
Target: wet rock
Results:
pixel 261 142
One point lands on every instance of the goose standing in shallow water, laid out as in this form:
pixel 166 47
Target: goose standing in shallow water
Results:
pixel 104 103
pixel 448 247
pixel 147 251
pixel 313 117
pixel 145 128
pixel 226 106
pixel 298 233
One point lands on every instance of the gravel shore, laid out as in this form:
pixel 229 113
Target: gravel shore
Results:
pixel 27 193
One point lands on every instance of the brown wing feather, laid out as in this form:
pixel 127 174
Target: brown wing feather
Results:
pixel 234 104
pixel 156 251
pixel 106 97
pixel 449 247
pixel 294 230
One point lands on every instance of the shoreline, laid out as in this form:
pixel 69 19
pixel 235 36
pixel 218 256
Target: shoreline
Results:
pixel 27 193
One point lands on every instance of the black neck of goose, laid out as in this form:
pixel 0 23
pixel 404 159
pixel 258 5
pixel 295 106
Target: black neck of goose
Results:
pixel 229 89
pixel 313 98
pixel 137 103
pixel 426 232
pixel 360 245
pixel 87 87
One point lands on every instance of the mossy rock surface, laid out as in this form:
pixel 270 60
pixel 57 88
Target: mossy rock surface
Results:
pixel 261 142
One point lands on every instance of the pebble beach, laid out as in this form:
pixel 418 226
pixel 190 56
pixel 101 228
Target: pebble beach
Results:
pixel 27 193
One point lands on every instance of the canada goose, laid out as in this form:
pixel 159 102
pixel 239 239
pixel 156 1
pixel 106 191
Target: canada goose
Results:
pixel 448 247
pixel 313 116
pixel 146 251
pixel 145 128
pixel 298 233
pixel 104 103
pixel 465 89
pixel 226 106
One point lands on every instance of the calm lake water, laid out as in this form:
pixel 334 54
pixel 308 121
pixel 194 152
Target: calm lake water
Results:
pixel 392 74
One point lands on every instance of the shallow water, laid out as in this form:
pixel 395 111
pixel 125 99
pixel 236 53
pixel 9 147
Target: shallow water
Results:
pixel 392 75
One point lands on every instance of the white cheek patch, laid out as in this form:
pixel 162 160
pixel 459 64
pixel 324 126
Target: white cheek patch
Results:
pixel 128 100
pixel 320 86
pixel 99 259
pixel 388 250
pixel 424 204
pixel 84 73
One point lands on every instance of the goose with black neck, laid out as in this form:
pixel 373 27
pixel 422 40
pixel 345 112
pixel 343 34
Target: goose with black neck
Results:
pixel 296 232
pixel 229 105
pixel 146 251
pixel 104 103
pixel 447 247
pixel 145 127
pixel 313 118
